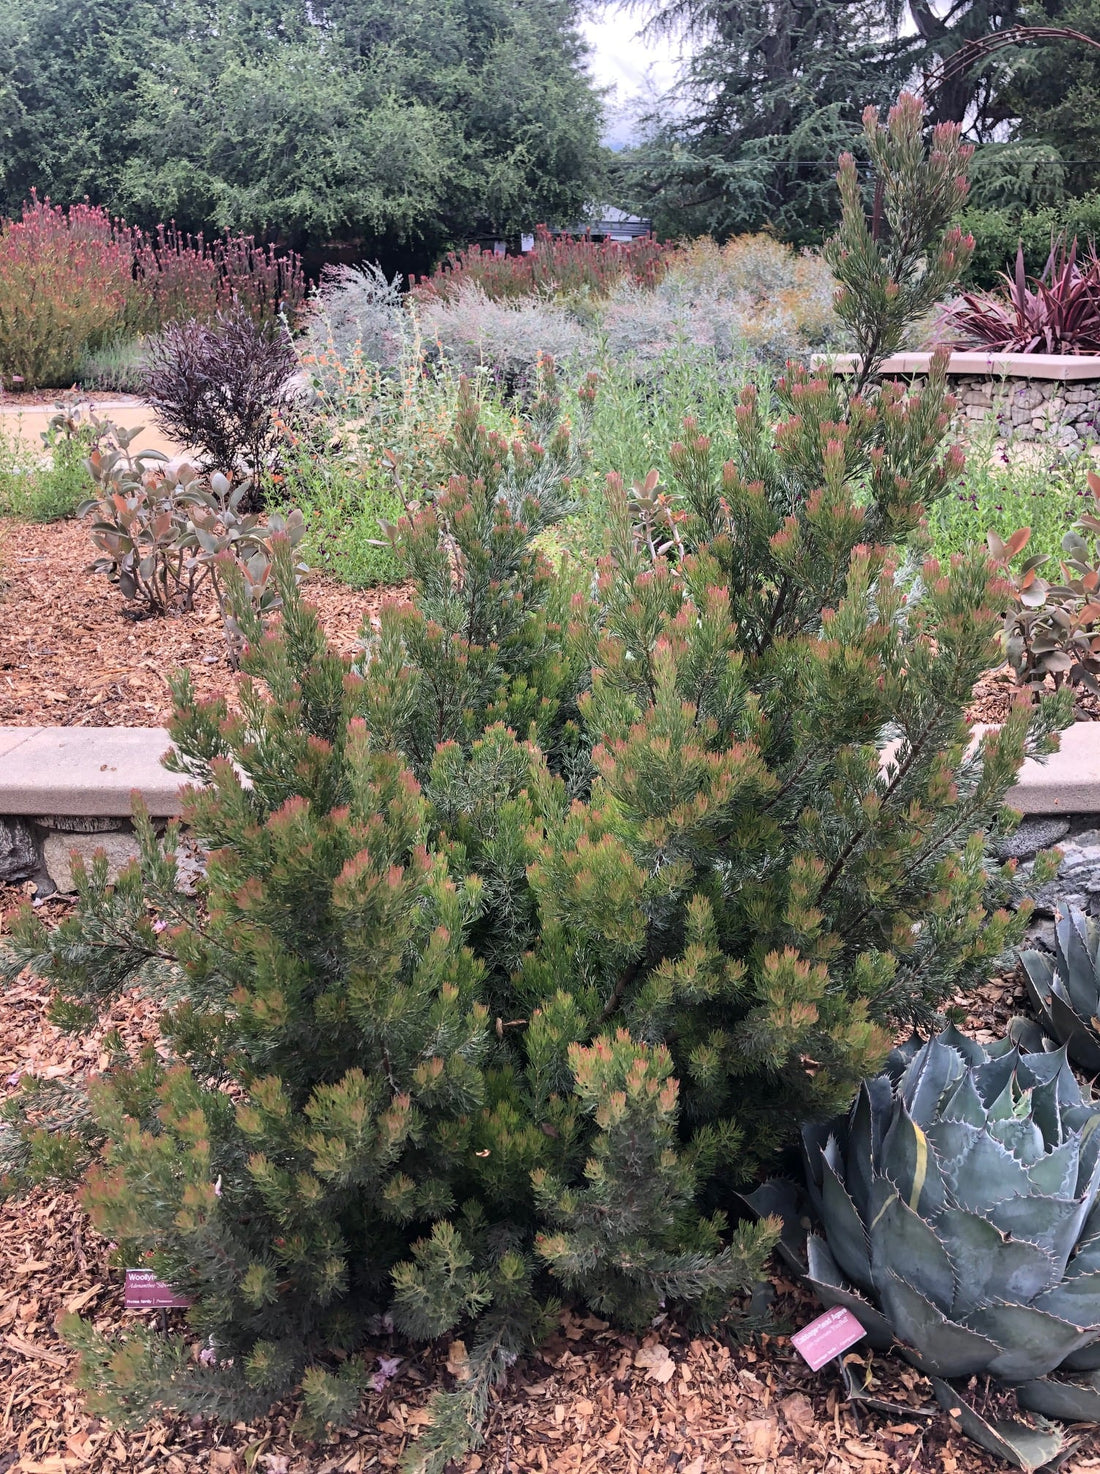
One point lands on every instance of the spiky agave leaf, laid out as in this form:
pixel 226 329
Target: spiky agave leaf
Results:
pixel 959 1205
pixel 1065 988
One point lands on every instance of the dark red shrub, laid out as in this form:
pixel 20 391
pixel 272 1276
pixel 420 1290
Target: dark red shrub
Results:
pixel 1057 312
pixel 223 388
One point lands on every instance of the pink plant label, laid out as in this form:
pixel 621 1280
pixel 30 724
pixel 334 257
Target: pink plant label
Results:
pixel 827 1336
pixel 145 1292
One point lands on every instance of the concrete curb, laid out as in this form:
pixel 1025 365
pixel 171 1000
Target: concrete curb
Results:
pixel 88 772
pixel 1067 782
pixel 1062 368
pixel 91 772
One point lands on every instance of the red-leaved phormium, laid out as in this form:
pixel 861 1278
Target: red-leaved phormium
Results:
pixel 1056 312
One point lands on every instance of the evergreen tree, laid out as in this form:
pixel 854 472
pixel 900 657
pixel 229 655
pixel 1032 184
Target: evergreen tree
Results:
pixel 770 93
pixel 529 936
pixel 1049 94
pixel 770 90
pixel 394 126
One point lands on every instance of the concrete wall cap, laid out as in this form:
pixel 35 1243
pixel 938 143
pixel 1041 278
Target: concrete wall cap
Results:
pixel 1065 367
pixel 85 771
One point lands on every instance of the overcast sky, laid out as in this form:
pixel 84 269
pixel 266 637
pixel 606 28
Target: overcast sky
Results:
pixel 637 72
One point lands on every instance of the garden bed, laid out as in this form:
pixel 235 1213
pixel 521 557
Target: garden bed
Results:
pixel 593 1399
pixel 72 652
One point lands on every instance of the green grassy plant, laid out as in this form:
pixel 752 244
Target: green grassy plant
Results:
pixel 634 423
pixel 1003 488
pixel 116 367
pixel 344 503
pixel 37 488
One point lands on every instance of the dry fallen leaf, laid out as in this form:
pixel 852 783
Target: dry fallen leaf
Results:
pixel 762 1437
pixel 799 1413
pixel 458 1361
pixel 659 1366
pixel 861 1451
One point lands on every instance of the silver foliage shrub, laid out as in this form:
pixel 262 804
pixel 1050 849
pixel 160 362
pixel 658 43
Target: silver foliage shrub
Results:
pixel 753 298
pixel 355 313
pixel 505 338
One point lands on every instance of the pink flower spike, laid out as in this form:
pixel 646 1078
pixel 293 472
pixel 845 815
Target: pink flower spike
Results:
pixel 218 1187
pixel 14 1078
pixel 159 926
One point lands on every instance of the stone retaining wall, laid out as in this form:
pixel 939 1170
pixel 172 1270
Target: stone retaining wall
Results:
pixel 1032 409
pixel 72 788
pixel 1028 396
pixel 40 848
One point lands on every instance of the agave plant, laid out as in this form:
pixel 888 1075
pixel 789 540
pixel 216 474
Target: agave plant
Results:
pixel 1065 988
pixel 959 1214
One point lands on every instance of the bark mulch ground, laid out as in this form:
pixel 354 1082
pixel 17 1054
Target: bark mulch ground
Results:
pixel 592 1400
pixel 997 690
pixel 73 654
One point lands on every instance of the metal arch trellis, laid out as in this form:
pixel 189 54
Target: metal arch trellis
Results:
pixel 980 48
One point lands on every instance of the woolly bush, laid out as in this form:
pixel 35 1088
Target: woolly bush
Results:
pixel 354 313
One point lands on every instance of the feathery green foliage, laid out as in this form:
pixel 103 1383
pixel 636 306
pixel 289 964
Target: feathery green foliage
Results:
pixel 530 935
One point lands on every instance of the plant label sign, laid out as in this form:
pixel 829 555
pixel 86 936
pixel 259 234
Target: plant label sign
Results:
pixel 827 1336
pixel 145 1292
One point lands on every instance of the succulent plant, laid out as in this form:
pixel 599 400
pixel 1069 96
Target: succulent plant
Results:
pixel 1065 988
pixel 1052 628
pixel 959 1214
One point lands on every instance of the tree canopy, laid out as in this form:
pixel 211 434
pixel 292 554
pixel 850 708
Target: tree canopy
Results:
pixel 773 89
pixel 773 92
pixel 357 120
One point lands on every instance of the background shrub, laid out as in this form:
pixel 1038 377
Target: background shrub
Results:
pixel 74 280
pixel 752 298
pixel 558 265
pixel 473 331
pixel 117 367
pixel 224 388
pixel 355 315
pixel 998 233
pixel 41 484
pixel 66 284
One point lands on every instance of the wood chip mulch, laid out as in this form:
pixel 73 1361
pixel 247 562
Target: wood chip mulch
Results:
pixel 593 1401
pixel 72 654
pixel 996 692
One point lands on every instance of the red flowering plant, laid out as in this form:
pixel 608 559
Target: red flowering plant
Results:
pixel 558 264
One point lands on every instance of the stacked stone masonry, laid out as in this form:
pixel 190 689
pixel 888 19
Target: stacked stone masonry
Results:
pixel 1027 396
pixel 1032 409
